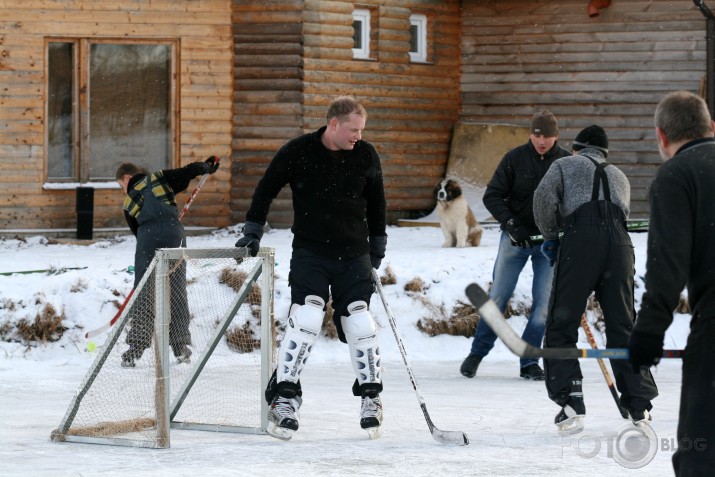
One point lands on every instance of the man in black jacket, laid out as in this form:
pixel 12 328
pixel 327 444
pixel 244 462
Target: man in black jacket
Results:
pixel 151 213
pixel 339 237
pixel 508 198
pixel 680 254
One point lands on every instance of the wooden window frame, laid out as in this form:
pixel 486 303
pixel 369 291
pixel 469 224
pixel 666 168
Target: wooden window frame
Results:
pixel 81 105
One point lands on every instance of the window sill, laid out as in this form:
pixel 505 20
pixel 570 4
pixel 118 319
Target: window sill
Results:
pixel 76 185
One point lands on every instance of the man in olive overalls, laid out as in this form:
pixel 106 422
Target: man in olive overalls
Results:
pixel 151 213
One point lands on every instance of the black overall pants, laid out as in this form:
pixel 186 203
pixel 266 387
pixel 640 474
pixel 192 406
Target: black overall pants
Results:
pixel 596 255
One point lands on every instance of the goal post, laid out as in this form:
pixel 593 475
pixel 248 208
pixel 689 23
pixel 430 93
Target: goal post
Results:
pixel 220 304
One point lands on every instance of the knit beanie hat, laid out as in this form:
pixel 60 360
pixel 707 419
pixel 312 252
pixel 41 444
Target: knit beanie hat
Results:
pixel 593 136
pixel 544 123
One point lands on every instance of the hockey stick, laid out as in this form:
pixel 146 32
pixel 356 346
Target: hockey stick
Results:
pixel 489 312
pixel 604 369
pixel 198 188
pixel 110 323
pixel 457 438
pixel 634 226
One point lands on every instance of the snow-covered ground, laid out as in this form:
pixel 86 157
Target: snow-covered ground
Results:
pixel 509 421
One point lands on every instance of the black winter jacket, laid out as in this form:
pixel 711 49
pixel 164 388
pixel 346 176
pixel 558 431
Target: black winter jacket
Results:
pixel 338 202
pixel 511 189
pixel 680 241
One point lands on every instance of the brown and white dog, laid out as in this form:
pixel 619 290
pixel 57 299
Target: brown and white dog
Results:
pixel 459 226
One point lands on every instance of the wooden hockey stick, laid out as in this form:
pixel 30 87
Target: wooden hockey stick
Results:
pixel 110 323
pixel 489 312
pixel 604 369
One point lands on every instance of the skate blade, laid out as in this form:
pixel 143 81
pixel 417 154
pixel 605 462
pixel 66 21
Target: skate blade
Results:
pixel 281 433
pixel 374 432
pixel 572 425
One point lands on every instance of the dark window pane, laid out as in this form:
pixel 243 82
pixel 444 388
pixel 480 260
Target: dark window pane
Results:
pixel 357 34
pixel 413 38
pixel 60 151
pixel 129 107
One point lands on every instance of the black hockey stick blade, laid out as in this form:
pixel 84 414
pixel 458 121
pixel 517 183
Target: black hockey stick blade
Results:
pixel 454 438
pixel 489 312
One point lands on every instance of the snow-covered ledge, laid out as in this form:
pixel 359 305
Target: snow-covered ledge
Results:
pixel 75 185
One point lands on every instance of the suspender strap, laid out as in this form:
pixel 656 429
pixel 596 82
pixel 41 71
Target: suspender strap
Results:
pixel 600 177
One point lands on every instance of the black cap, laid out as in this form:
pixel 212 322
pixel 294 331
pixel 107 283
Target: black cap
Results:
pixel 593 136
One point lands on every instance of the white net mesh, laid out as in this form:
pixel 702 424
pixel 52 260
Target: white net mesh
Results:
pixel 216 308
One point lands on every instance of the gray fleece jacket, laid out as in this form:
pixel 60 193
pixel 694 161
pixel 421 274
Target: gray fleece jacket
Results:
pixel 568 184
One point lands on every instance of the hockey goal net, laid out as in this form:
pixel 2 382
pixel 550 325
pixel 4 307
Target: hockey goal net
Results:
pixel 221 305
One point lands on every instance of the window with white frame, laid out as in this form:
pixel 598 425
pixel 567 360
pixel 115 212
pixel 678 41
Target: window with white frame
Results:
pixel 361 33
pixel 418 38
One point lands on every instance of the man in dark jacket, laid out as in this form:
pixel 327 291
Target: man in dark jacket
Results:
pixel 680 254
pixel 588 200
pixel 508 198
pixel 339 237
pixel 151 213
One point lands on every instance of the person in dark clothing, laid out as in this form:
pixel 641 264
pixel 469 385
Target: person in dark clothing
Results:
pixel 588 200
pixel 681 254
pixel 509 198
pixel 339 237
pixel 151 213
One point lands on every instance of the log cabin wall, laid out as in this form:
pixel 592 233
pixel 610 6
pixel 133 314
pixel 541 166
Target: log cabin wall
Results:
pixel 522 55
pixel 294 57
pixel 202 31
pixel 268 97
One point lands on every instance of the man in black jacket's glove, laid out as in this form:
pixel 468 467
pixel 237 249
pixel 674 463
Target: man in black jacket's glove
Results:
pixel 252 234
pixel 645 349
pixel 519 235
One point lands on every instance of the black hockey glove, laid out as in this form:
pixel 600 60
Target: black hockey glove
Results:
pixel 519 235
pixel 212 163
pixel 645 349
pixel 252 233
pixel 550 249
pixel 378 244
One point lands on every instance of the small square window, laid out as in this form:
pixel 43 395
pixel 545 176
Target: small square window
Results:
pixel 418 38
pixel 361 33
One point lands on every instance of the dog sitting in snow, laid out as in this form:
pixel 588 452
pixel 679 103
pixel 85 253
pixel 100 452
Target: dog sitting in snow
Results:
pixel 459 226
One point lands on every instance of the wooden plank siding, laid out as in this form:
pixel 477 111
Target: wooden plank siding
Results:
pixel 294 57
pixel 204 107
pixel 522 55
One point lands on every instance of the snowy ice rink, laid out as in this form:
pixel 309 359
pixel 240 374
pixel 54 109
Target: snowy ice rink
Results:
pixel 509 421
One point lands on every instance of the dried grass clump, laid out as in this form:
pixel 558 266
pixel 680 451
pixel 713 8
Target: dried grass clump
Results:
pixel 416 285
pixel 79 286
pixel 242 340
pixel 235 280
pixel 329 329
pixel 47 326
pixel 389 277
pixel 461 322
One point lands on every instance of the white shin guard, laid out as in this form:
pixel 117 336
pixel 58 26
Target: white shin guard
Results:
pixel 360 331
pixel 304 325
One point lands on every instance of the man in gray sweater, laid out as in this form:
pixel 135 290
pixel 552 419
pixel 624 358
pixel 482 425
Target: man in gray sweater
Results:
pixel 588 200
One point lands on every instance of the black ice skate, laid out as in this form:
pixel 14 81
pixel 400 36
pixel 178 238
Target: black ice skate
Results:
pixel 570 419
pixel 371 415
pixel 130 356
pixel 283 416
pixel 182 353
